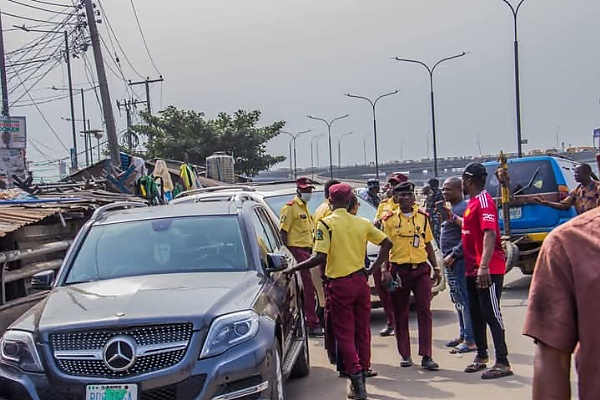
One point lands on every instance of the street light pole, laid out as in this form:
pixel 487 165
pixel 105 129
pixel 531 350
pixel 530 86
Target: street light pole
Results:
pixel 515 13
pixel 373 106
pixel 312 161
pixel 293 139
pixel 329 123
pixel 340 149
pixel 431 70
pixel 317 147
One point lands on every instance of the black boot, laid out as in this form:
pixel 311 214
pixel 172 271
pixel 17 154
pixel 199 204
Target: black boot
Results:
pixel 357 389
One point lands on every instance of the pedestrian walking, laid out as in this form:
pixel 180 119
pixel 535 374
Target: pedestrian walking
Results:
pixel 562 313
pixel 409 230
pixel 585 197
pixel 454 263
pixel 341 243
pixel 485 268
pixel 296 230
pixel 371 192
pixel 434 196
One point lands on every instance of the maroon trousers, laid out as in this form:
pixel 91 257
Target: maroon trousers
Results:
pixel 349 306
pixel 310 303
pixel 384 296
pixel 417 281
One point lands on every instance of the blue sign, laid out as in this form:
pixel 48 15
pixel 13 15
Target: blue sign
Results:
pixel 596 133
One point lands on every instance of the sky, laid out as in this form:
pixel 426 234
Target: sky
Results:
pixel 292 58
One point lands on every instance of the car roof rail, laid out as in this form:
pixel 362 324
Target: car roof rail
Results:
pixel 558 155
pixel 240 198
pixel 213 189
pixel 101 211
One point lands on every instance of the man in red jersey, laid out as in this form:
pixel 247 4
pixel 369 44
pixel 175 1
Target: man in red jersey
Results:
pixel 485 268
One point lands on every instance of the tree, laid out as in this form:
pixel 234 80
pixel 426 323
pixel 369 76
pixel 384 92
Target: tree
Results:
pixel 189 135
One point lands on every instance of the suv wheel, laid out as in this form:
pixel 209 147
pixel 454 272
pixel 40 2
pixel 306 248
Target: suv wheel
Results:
pixel 301 367
pixel 276 382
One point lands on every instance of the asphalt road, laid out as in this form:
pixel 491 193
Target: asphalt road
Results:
pixel 450 382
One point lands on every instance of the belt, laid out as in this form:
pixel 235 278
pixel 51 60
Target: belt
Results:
pixel 407 266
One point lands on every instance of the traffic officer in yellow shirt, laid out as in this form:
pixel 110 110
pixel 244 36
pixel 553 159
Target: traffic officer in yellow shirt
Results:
pixel 409 271
pixel 341 243
pixel 296 230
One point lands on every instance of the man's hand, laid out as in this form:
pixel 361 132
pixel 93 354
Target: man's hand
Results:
pixel 436 278
pixel 449 261
pixel 386 276
pixel 289 270
pixel 484 280
pixel 538 200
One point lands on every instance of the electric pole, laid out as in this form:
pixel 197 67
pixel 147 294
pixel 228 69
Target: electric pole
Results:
pixel 147 83
pixel 127 105
pixel 3 73
pixel 109 118
pixel 74 162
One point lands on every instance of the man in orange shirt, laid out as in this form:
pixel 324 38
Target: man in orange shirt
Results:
pixel 341 242
pixel 296 230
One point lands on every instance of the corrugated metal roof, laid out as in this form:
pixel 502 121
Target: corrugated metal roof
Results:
pixel 13 218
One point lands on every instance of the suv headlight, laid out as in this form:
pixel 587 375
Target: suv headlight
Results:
pixel 229 330
pixel 18 348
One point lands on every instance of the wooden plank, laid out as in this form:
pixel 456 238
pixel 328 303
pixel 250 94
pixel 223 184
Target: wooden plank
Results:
pixel 30 270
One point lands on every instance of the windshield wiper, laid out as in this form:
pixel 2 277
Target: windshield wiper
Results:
pixel 524 188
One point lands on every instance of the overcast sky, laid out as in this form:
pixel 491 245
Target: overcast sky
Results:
pixel 293 58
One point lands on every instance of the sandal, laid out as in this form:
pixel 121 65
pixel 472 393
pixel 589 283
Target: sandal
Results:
pixel 454 343
pixel 497 371
pixel 463 348
pixel 475 366
pixel 370 373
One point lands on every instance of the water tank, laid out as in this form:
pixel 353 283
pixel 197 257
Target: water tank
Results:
pixel 220 166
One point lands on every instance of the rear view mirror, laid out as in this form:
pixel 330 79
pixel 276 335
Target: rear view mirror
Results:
pixel 276 262
pixel 43 280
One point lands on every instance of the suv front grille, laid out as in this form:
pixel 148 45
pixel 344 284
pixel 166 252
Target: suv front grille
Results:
pixel 69 347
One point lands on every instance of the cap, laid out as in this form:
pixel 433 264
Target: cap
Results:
pixel 373 182
pixel 476 170
pixel 304 183
pixel 340 192
pixel 400 176
pixel 406 186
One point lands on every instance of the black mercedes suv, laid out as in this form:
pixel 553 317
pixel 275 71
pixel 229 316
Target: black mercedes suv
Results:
pixel 163 303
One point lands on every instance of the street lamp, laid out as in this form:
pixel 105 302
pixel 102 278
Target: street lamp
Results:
pixel 431 70
pixel 340 148
pixel 515 13
pixel 74 163
pixel 365 147
pixel 373 104
pixel 329 123
pixel 317 148
pixel 312 161
pixel 293 139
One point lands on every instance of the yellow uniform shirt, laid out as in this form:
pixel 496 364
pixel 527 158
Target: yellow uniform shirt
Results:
pixel 323 211
pixel 408 234
pixel 384 207
pixel 343 237
pixel 297 222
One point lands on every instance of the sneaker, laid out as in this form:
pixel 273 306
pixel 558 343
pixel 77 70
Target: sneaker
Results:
pixel 387 331
pixel 406 362
pixel 428 364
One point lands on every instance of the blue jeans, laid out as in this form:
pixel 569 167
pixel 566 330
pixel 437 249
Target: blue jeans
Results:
pixel 458 293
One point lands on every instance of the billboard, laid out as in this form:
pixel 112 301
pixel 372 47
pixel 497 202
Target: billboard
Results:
pixel 13 133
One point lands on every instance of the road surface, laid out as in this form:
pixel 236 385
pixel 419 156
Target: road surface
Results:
pixel 395 383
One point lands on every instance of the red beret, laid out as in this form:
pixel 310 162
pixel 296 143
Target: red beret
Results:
pixel 304 183
pixel 340 192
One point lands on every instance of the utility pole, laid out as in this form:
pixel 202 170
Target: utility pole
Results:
pixel 3 73
pixel 85 139
pixel 127 104
pixel 147 83
pixel 109 118
pixel 74 163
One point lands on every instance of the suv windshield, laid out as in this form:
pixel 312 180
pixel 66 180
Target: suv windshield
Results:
pixel 276 203
pixel 159 246
pixel 521 174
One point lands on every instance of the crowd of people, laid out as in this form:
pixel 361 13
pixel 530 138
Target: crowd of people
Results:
pixel 330 247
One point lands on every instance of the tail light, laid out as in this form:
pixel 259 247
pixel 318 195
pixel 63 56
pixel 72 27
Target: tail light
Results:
pixel 563 192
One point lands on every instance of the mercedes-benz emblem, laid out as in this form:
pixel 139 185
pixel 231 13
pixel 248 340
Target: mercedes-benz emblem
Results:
pixel 119 353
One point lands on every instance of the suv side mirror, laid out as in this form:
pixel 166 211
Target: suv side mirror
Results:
pixel 276 262
pixel 43 280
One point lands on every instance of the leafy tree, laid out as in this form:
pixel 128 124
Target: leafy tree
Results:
pixel 189 135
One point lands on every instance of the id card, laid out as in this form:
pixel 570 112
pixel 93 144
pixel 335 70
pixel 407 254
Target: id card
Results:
pixel 416 241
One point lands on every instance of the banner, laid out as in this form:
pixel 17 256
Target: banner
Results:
pixel 597 133
pixel 13 133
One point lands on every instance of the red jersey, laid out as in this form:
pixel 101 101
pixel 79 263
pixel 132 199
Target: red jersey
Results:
pixel 481 215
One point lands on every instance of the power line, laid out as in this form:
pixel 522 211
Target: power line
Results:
pixel 91 79
pixel 50 3
pixel 24 18
pixel 143 37
pixel 111 30
pixel 37 8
